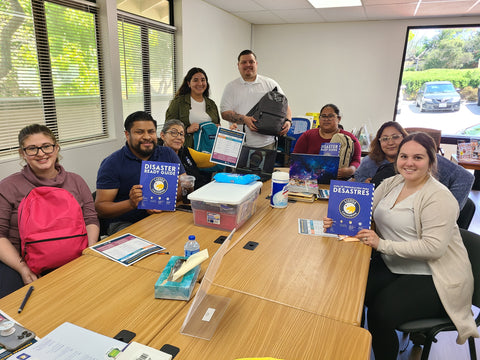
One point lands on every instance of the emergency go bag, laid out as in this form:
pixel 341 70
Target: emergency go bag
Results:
pixel 270 113
pixel 52 228
pixel 204 138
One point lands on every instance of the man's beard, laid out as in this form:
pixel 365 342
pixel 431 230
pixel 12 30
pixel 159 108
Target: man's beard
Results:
pixel 140 151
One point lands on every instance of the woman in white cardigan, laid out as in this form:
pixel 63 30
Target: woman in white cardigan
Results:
pixel 421 268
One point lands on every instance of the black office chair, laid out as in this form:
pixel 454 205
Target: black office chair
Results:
pixel 431 327
pixel 466 214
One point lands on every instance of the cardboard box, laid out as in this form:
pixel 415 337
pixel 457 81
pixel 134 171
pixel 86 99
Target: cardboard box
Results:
pixel 224 206
pixel 176 290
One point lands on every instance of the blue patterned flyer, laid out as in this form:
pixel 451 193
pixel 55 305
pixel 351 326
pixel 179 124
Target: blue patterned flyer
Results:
pixel 350 207
pixel 159 181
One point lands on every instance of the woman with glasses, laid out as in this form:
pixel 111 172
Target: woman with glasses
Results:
pixel 39 149
pixel 192 105
pixel 173 136
pixel 380 164
pixel 383 150
pixel 311 140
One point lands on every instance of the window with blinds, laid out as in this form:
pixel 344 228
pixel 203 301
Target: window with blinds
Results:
pixel 51 70
pixel 147 63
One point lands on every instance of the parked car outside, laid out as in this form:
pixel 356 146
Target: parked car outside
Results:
pixel 438 95
pixel 473 130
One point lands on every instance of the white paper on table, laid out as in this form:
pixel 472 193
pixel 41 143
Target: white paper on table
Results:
pixel 312 227
pixel 72 342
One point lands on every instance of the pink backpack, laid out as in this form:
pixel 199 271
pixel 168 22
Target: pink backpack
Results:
pixel 52 228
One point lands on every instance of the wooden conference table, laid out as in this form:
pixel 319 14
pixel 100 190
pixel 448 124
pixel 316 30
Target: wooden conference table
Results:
pixel 293 297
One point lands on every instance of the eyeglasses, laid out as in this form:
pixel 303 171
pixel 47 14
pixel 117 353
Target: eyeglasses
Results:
pixel 33 150
pixel 175 133
pixel 329 116
pixel 388 138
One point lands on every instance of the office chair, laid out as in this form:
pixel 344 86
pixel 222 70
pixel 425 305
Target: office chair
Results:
pixel 466 214
pixel 299 126
pixel 431 327
pixel 434 133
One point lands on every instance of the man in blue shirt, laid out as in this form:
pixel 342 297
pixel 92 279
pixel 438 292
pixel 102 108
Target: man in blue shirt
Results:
pixel 118 190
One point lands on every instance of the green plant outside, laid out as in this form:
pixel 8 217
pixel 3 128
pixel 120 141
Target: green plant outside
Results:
pixel 467 80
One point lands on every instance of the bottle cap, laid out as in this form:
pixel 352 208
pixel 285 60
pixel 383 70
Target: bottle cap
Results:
pixel 191 237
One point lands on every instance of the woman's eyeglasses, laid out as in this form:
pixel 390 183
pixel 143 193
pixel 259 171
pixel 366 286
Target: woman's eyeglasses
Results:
pixel 329 116
pixel 33 150
pixel 388 138
pixel 175 133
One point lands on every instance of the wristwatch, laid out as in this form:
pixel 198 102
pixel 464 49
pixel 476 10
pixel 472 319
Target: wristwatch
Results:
pixel 290 121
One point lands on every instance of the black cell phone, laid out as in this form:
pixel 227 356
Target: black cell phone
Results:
pixel 251 245
pixel 125 335
pixel 170 349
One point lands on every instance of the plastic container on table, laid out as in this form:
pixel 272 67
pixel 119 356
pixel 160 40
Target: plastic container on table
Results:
pixel 224 206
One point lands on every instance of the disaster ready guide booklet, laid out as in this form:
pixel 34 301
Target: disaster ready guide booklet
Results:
pixel 160 182
pixel 350 207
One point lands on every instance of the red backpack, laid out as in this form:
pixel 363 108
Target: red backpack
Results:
pixel 52 228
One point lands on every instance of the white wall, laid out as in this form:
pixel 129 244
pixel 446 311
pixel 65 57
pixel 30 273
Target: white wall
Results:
pixel 211 39
pixel 355 65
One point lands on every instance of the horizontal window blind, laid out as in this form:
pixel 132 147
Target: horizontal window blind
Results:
pixel 51 70
pixel 147 61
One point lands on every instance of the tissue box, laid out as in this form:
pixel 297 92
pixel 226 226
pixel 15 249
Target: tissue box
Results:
pixel 224 206
pixel 176 290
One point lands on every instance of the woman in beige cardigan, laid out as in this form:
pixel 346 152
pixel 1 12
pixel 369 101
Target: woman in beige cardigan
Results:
pixel 421 268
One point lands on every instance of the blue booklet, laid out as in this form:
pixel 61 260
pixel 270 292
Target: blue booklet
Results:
pixel 330 149
pixel 350 207
pixel 160 182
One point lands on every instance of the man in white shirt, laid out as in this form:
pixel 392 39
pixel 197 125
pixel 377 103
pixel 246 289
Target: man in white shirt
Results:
pixel 241 94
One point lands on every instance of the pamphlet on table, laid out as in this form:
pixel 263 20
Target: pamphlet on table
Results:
pixel 350 207
pixel 72 342
pixel 160 182
pixel 312 227
pixel 127 249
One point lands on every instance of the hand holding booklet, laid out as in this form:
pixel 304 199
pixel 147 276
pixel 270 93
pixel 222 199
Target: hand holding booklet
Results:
pixel 350 207
pixel 160 182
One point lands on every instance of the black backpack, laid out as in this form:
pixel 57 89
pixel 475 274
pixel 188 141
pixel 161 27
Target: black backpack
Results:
pixel 270 113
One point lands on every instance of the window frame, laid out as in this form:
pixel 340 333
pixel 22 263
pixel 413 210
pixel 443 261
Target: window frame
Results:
pixel 446 137
pixel 47 96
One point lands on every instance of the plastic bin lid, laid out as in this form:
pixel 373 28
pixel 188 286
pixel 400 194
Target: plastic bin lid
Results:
pixel 224 193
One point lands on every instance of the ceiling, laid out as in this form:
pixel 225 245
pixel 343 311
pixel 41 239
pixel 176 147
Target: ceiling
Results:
pixel 301 11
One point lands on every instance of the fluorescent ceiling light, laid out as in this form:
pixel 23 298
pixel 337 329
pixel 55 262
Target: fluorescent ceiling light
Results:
pixel 334 3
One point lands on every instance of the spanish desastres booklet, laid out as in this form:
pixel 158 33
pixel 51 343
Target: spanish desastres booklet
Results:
pixel 159 181
pixel 350 207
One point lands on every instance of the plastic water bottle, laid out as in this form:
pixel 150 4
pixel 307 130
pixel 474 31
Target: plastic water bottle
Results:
pixel 191 246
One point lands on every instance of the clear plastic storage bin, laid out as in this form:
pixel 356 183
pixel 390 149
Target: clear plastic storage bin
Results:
pixel 224 206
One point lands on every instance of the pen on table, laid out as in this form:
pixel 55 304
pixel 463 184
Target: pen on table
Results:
pixel 29 292
pixel 163 253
